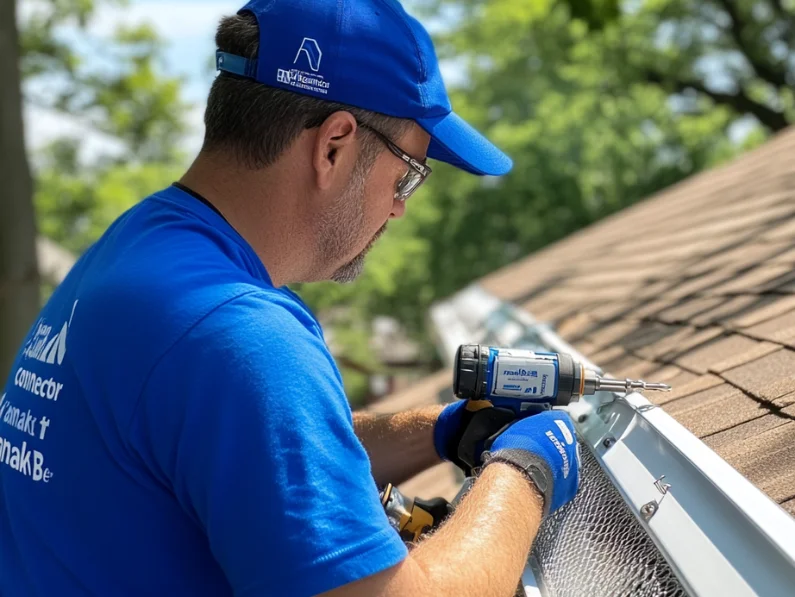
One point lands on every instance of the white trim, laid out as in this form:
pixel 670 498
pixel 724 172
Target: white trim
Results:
pixel 721 535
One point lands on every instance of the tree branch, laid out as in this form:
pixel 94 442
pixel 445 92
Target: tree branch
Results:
pixel 739 101
pixel 763 68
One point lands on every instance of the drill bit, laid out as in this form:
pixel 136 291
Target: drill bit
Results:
pixel 628 385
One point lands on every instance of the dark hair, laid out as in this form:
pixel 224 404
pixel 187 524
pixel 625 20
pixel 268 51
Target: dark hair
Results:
pixel 258 122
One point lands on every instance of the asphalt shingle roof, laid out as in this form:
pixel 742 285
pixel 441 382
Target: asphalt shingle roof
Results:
pixel 694 287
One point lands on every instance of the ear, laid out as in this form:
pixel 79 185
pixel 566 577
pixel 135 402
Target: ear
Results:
pixel 335 150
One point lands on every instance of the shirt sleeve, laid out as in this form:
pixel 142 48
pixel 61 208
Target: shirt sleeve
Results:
pixel 246 420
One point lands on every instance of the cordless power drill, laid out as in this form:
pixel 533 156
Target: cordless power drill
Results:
pixel 501 385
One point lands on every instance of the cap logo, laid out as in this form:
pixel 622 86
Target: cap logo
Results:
pixel 310 51
pixel 313 54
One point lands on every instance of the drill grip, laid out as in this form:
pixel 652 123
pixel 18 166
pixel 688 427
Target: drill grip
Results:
pixel 483 425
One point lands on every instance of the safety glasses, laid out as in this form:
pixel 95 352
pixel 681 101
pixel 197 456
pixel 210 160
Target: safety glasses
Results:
pixel 416 174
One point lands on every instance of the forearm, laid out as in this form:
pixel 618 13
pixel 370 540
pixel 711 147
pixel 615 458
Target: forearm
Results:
pixel 399 445
pixel 482 549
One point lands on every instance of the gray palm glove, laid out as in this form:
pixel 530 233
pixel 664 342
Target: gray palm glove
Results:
pixel 545 448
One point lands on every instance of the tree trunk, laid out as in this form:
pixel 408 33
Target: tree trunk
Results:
pixel 19 277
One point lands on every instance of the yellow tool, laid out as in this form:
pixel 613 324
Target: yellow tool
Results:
pixel 413 517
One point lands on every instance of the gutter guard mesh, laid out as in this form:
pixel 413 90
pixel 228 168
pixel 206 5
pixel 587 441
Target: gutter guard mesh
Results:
pixel 595 546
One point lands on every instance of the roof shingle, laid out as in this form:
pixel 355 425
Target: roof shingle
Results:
pixel 722 353
pixel 767 378
pixel 780 329
pixel 703 299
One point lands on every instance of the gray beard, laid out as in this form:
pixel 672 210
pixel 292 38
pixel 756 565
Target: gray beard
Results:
pixel 353 269
pixel 350 271
pixel 342 227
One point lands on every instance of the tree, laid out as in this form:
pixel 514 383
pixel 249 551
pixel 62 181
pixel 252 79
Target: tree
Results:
pixel 587 139
pixel 735 53
pixel 124 96
pixel 126 99
pixel 563 88
pixel 19 278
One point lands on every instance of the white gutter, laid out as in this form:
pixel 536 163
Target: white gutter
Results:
pixel 720 534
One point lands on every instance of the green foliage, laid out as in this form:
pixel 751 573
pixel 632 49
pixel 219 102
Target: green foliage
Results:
pixel 76 204
pixel 137 104
pixel 563 89
pixel 123 96
pixel 357 386
pixel 44 52
pixel 594 13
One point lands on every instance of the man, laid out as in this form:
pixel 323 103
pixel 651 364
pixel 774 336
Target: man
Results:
pixel 174 423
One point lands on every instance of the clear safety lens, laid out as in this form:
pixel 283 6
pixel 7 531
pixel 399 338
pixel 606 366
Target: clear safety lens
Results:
pixel 408 184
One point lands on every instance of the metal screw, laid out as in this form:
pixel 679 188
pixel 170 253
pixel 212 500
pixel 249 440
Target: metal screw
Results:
pixel 648 510
pixel 608 442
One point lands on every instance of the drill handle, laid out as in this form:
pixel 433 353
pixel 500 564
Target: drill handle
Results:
pixel 483 425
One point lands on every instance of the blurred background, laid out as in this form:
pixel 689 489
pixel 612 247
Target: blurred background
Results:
pixel 601 103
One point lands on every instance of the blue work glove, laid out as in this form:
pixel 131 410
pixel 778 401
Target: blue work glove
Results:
pixel 545 447
pixel 464 427
pixel 447 428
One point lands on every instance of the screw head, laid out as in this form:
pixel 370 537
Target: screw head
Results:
pixel 608 442
pixel 648 510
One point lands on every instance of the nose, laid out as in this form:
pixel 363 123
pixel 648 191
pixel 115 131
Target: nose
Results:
pixel 398 209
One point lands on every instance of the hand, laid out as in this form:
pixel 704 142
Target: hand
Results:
pixel 545 447
pixel 464 427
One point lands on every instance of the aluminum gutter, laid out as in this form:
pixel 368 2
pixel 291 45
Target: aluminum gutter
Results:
pixel 721 535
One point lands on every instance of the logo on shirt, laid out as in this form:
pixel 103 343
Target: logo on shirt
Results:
pixel 46 346
pixel 309 53
pixel 23 459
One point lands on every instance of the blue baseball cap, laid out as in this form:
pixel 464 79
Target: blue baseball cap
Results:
pixel 369 54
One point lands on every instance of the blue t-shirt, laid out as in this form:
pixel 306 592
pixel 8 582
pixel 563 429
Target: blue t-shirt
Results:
pixel 175 425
